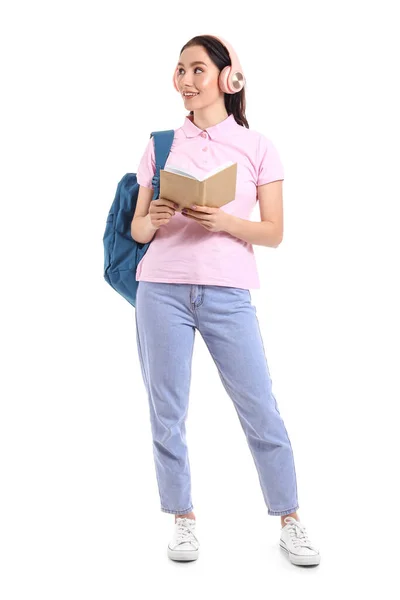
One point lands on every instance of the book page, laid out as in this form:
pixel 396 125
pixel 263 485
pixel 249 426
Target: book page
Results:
pixel 217 169
pixel 179 171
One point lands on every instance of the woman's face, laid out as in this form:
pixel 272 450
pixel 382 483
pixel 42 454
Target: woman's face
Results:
pixel 201 78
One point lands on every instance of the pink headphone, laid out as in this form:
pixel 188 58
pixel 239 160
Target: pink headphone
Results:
pixel 231 79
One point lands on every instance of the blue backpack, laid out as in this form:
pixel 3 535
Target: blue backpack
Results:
pixel 122 253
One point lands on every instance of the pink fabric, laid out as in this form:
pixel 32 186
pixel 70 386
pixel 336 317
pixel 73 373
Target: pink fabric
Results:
pixel 183 251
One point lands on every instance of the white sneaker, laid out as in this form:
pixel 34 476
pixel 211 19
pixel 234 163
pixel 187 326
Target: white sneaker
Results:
pixel 184 544
pixel 295 543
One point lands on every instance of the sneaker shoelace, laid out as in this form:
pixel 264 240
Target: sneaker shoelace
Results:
pixel 184 531
pixel 298 534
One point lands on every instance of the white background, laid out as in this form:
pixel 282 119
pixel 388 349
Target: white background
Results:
pixel 84 84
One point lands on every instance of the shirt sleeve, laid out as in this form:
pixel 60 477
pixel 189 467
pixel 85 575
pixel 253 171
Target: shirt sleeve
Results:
pixel 147 166
pixel 270 167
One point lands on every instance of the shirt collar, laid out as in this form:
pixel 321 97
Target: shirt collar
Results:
pixel 215 132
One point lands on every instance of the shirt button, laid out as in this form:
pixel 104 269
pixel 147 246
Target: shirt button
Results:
pixel 203 134
pixel 204 149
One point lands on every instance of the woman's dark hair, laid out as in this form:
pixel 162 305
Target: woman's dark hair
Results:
pixel 234 103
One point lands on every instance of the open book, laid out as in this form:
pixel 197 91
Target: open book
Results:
pixel 215 188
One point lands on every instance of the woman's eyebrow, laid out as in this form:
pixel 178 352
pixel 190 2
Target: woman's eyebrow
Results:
pixel 196 62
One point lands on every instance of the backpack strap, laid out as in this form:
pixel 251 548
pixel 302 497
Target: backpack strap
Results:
pixel 162 146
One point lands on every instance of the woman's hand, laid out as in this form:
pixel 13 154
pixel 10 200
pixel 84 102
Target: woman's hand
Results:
pixel 212 219
pixel 161 211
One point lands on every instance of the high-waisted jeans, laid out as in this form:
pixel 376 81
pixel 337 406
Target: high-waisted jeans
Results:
pixel 167 315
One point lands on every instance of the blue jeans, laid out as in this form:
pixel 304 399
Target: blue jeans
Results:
pixel 167 315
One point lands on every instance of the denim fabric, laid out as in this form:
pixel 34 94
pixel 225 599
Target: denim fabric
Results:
pixel 167 316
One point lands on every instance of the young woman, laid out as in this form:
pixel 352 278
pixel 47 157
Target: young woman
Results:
pixel 196 274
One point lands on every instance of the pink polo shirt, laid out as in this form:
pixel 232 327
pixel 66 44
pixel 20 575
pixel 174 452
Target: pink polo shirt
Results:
pixel 182 251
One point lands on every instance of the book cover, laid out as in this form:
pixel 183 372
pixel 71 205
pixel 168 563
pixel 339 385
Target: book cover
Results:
pixel 216 188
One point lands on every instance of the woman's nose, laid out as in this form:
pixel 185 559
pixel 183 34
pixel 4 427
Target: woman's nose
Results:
pixel 186 82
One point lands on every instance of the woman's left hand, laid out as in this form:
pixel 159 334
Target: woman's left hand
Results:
pixel 212 219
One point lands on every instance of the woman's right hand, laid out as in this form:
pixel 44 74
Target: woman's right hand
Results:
pixel 161 211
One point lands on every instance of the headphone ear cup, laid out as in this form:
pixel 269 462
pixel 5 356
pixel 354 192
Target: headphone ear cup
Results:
pixel 175 81
pixel 224 78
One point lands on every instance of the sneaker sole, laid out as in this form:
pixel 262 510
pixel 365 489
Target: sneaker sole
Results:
pixel 183 554
pixel 302 560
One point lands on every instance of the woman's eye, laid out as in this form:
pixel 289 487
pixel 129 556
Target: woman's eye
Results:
pixel 181 69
